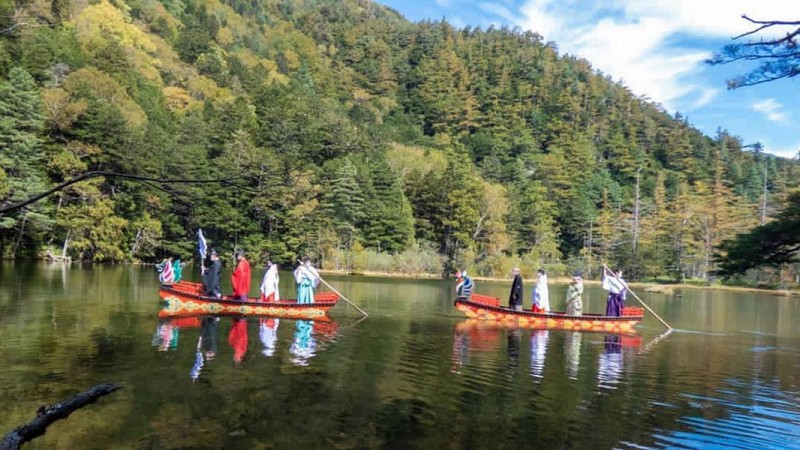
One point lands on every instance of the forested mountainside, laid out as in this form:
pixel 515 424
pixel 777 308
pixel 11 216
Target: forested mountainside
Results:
pixel 341 130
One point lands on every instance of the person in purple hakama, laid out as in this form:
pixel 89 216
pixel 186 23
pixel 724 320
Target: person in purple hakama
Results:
pixel 616 287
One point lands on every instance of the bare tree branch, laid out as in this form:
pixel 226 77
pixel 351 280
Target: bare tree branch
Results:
pixel 95 174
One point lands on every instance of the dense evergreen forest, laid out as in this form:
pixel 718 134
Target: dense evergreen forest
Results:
pixel 339 129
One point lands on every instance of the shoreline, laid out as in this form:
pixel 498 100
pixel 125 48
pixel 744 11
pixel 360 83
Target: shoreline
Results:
pixel 657 288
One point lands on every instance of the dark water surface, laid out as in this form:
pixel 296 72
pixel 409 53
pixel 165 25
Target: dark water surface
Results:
pixel 415 374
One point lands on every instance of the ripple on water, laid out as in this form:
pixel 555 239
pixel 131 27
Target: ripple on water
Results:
pixel 770 419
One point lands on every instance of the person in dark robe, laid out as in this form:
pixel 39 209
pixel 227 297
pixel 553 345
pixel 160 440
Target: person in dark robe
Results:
pixel 515 297
pixel 211 277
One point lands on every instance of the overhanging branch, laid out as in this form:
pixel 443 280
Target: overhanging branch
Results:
pixel 96 174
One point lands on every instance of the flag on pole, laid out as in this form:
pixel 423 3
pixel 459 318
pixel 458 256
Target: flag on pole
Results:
pixel 201 244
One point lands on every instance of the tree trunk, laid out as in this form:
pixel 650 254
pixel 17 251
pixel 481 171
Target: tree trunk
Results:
pixel 64 248
pixel 21 232
pixel 46 415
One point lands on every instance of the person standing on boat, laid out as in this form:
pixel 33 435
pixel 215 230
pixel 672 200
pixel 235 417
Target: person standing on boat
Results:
pixel 465 285
pixel 515 297
pixel 307 279
pixel 616 287
pixel 574 293
pixel 240 278
pixel 212 276
pixel 269 285
pixel 541 294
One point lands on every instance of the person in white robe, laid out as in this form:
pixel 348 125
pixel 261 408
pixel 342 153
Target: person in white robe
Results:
pixel 269 285
pixel 541 295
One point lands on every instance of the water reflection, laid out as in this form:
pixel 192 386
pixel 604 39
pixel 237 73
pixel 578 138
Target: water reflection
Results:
pixel 166 336
pixel 268 334
pixel 387 383
pixel 610 364
pixel 206 345
pixel 472 336
pixel 237 338
pixel 539 340
pixel 514 344
pixel 572 353
pixel 304 345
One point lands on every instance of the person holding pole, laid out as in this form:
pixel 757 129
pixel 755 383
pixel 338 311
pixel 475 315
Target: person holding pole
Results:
pixel 307 279
pixel 616 287
pixel 628 289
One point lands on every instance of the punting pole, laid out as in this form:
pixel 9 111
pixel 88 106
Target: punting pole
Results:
pixel 338 293
pixel 606 270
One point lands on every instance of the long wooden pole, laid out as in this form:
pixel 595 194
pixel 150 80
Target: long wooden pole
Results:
pixel 607 270
pixel 337 292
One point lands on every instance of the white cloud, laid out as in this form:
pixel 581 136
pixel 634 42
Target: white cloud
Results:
pixel 456 21
pixel 499 10
pixel 705 98
pixel 635 40
pixel 443 3
pixel 790 151
pixel 770 108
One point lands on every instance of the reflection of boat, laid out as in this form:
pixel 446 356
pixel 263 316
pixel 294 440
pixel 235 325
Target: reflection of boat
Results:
pixel 488 308
pixel 166 336
pixel 185 298
pixel 481 335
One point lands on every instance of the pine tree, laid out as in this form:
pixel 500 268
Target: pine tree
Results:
pixel 21 153
pixel 344 203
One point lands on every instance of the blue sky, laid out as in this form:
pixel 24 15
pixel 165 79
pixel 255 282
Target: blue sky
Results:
pixel 657 48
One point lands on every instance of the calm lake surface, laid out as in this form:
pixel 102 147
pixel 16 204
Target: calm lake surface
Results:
pixel 415 374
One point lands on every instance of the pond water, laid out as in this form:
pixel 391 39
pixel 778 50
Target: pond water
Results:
pixel 415 374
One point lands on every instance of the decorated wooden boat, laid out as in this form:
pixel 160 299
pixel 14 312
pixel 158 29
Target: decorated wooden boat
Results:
pixel 185 298
pixel 484 307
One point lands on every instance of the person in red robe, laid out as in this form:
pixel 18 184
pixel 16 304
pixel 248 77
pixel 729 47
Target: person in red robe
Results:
pixel 237 339
pixel 240 278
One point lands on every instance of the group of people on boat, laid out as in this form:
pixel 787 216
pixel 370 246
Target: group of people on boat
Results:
pixel 306 276
pixel 540 297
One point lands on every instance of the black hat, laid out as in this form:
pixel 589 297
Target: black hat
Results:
pixel 577 274
pixel 213 252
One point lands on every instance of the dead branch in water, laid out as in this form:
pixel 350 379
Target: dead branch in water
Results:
pixel 46 415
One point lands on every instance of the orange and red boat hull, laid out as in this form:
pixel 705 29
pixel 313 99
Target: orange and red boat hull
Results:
pixel 184 299
pixel 554 320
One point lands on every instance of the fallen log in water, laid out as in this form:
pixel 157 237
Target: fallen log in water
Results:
pixel 46 415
